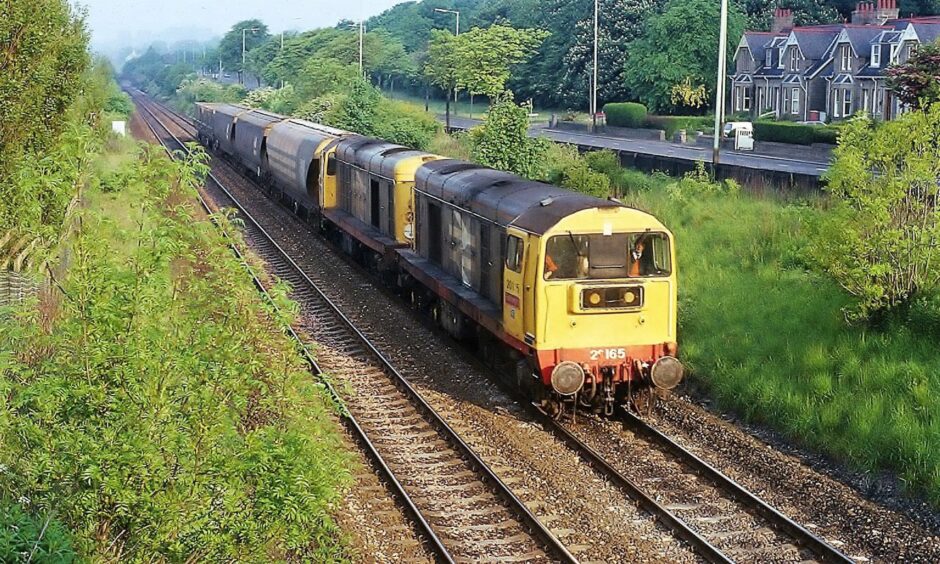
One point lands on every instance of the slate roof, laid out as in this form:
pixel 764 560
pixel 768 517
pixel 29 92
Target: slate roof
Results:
pixel 823 67
pixel 869 71
pixel 814 41
pixel 861 37
pixel 928 32
pixel 757 42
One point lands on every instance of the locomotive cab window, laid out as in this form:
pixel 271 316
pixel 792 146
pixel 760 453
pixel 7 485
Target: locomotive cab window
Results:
pixel 514 253
pixel 331 165
pixel 598 257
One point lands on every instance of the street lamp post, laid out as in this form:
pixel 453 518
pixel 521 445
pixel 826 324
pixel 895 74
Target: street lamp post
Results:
pixel 244 32
pixel 456 34
pixel 594 80
pixel 720 85
pixel 362 27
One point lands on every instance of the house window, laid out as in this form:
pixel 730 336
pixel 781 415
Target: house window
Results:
pixel 845 54
pixel 894 54
pixel 866 100
pixel 879 101
pixel 761 101
pixel 780 57
pixel 795 99
pixel 836 102
pixel 876 55
pixel 794 59
pixel 746 98
pixel 786 100
pixel 842 105
pixel 768 58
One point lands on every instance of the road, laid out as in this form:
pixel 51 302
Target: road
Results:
pixel 668 149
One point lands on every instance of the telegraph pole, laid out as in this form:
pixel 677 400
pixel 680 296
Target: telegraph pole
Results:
pixel 720 85
pixel 594 81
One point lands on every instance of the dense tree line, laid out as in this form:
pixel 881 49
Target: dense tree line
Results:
pixel 559 73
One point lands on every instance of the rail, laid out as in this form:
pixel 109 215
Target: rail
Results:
pixel 547 538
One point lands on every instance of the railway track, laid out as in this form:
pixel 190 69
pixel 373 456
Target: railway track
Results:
pixel 457 501
pixel 722 521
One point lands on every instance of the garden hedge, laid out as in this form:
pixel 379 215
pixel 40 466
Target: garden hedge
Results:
pixel 626 114
pixel 795 133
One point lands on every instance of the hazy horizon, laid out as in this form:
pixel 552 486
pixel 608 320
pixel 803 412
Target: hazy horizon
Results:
pixel 133 23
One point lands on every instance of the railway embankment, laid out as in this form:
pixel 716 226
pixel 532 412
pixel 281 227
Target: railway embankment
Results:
pixel 151 403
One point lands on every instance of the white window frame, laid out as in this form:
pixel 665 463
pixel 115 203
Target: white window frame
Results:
pixel 745 99
pixel 876 55
pixel 795 101
pixel 836 102
pixel 780 52
pixel 879 101
pixel 794 60
pixel 768 58
pixel 847 102
pixel 866 100
pixel 845 58
pixel 895 50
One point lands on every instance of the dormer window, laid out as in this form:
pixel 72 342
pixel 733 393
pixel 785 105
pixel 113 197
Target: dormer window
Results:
pixel 768 58
pixel 845 58
pixel 876 55
pixel 780 57
pixel 894 53
pixel 794 60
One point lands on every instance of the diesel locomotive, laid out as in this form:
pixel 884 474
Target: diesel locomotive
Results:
pixel 572 295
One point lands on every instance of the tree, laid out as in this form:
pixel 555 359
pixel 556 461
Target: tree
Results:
pixel 42 57
pixel 503 141
pixel 255 34
pixel 620 22
pixel 680 43
pixel 484 56
pixel 881 239
pixel 441 66
pixel 917 81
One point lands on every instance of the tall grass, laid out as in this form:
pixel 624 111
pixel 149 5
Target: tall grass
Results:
pixel 766 336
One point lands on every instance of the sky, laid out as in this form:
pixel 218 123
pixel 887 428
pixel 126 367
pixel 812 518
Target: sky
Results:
pixel 117 23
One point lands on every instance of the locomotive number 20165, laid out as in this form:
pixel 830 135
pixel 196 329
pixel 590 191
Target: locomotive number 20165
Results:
pixel 609 354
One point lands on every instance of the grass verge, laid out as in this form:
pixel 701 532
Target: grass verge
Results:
pixel 151 405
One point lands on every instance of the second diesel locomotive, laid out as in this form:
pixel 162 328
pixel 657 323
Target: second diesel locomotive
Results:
pixel 576 294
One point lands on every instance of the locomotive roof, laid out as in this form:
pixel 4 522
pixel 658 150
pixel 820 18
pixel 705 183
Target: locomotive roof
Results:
pixel 375 155
pixel 503 197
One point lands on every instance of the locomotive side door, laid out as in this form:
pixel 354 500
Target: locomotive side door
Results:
pixel 513 283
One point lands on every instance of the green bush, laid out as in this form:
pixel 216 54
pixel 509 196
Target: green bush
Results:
pixel 625 114
pixel 795 133
pixel 672 124
pixel 36 538
pixel 186 427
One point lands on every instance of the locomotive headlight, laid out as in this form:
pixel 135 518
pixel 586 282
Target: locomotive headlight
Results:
pixel 594 298
pixel 629 297
pixel 567 378
pixel 666 372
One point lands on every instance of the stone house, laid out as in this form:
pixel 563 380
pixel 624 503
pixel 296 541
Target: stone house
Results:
pixel 826 72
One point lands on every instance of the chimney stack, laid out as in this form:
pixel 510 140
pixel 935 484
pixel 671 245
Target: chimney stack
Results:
pixel 865 14
pixel 887 10
pixel 783 20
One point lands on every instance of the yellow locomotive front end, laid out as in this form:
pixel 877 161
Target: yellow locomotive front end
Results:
pixel 604 298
